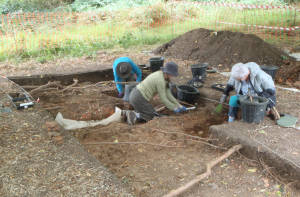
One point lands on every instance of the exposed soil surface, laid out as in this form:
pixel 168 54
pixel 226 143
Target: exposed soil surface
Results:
pixel 225 48
pixel 163 154
pixel 289 73
pixel 166 157
pixel 38 158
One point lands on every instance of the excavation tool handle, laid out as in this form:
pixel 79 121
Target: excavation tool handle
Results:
pixel 190 108
pixel 275 112
pixel 159 109
pixel 128 82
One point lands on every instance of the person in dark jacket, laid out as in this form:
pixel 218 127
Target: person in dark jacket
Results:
pixel 247 79
pixel 125 70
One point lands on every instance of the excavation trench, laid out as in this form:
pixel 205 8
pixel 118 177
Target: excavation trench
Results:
pixel 150 158
pixel 86 101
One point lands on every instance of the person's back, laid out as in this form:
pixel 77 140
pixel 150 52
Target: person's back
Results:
pixel 149 86
pixel 155 83
pixel 125 70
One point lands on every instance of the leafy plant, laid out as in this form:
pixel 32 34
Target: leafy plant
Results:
pixel 10 6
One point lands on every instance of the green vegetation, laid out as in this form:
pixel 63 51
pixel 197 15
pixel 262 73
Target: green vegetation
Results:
pixel 10 6
pixel 100 24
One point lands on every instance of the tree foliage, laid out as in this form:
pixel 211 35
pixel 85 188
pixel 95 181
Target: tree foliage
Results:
pixel 9 6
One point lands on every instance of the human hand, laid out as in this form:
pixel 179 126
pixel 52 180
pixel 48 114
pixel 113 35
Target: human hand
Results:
pixel 180 109
pixel 177 110
pixel 223 98
pixel 120 95
pixel 183 109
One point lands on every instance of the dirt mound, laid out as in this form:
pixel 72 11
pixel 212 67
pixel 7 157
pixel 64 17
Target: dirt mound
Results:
pixel 223 47
pixel 289 73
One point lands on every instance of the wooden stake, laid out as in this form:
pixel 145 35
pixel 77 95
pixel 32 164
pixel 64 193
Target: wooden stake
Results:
pixel 200 177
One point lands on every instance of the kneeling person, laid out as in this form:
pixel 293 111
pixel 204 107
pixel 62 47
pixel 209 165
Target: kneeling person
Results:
pixel 248 79
pixel 155 83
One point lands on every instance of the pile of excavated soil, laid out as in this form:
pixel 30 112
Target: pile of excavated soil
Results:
pixel 289 73
pixel 223 47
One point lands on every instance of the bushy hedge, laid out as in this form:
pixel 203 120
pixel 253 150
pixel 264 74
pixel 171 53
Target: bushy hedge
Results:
pixel 9 6
pixel 256 2
pixel 80 5
pixel 90 4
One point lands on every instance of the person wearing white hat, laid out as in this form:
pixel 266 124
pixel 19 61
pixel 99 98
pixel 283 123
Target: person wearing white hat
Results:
pixel 125 70
pixel 244 78
pixel 142 94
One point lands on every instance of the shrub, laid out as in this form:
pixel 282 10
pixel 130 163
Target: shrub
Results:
pixel 9 6
pixel 150 15
pixel 80 5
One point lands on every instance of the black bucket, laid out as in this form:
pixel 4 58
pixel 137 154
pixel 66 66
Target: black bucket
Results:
pixel 156 63
pixel 253 111
pixel 271 70
pixel 199 71
pixel 187 93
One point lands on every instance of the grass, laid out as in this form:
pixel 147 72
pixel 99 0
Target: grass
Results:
pixel 85 33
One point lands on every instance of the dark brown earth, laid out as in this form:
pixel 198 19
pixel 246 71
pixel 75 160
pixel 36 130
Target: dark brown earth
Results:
pixel 225 48
pixel 153 170
pixel 289 73
pixel 38 158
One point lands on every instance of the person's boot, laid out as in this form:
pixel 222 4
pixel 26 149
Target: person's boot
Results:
pixel 131 117
pixel 232 114
pixel 231 119
pixel 124 115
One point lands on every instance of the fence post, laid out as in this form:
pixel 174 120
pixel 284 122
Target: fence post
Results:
pixel 295 16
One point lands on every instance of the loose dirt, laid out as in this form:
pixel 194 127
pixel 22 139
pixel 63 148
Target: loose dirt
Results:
pixel 169 152
pixel 289 73
pixel 158 156
pixel 225 48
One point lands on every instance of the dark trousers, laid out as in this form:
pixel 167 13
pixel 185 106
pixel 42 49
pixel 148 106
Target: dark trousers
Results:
pixel 141 105
pixel 130 78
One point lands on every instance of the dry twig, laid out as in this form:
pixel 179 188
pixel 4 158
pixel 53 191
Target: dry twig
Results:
pixel 49 84
pixel 184 134
pixel 198 141
pixel 52 108
pixel 267 168
pixel 200 177
pixel 75 82
pixel 131 143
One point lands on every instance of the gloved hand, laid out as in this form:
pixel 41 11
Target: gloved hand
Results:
pixel 180 109
pixel 120 95
pixel 177 110
pixel 223 98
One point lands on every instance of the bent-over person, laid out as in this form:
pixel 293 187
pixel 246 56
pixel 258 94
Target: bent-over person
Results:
pixel 142 94
pixel 248 79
